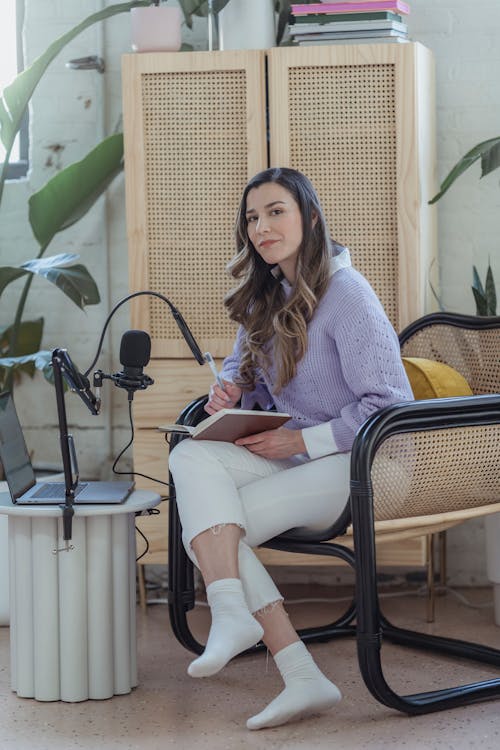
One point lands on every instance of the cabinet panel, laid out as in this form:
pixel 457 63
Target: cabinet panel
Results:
pixel 194 134
pixel 357 120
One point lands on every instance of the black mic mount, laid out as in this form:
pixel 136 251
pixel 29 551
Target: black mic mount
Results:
pixel 135 350
pixel 77 382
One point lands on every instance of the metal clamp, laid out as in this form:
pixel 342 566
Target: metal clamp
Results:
pixel 92 62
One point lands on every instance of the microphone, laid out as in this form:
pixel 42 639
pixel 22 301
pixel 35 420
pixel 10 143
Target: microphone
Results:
pixel 135 350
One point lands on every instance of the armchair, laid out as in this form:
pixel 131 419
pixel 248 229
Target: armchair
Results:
pixel 416 468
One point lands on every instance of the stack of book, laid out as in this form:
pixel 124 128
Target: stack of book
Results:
pixel 349 21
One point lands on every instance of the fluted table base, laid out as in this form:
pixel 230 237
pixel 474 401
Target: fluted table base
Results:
pixel 72 627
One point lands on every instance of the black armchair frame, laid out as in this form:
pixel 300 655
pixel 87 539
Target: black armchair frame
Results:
pixel 371 627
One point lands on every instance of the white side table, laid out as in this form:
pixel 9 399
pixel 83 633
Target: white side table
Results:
pixel 72 614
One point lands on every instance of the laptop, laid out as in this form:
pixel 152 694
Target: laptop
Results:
pixel 20 476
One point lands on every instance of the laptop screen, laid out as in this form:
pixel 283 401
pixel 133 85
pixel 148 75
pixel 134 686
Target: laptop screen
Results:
pixel 13 452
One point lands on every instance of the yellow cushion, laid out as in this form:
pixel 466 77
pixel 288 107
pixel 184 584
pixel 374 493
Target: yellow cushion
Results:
pixel 429 379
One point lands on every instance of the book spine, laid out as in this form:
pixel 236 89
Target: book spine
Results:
pixel 351 35
pixel 348 7
pixel 351 42
pixel 322 18
pixel 304 28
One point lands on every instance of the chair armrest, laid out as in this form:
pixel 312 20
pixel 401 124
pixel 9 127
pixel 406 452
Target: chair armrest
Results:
pixel 424 458
pixel 416 416
pixel 194 412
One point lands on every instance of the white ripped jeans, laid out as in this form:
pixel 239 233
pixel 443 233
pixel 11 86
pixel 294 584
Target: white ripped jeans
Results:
pixel 221 483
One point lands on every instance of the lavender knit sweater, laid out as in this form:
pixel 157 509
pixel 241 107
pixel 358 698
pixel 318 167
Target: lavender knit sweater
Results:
pixel 351 368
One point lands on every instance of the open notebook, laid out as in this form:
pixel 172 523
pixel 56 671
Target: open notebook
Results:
pixel 230 424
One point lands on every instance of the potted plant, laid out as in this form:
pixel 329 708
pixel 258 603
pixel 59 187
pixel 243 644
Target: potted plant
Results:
pixel 65 198
pixel 59 204
pixel 489 153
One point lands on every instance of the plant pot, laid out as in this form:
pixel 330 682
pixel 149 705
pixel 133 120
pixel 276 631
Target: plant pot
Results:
pixel 244 25
pixel 156 29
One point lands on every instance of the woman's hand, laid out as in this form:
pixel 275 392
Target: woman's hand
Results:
pixel 280 443
pixel 223 399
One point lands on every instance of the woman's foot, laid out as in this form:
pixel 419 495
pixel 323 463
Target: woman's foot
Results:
pixel 307 690
pixel 233 628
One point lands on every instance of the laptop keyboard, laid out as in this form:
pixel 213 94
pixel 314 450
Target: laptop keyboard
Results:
pixel 56 490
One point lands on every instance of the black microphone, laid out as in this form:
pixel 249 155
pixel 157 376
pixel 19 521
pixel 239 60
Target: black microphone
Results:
pixel 135 350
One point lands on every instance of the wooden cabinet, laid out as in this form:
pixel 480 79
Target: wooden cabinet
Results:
pixel 358 120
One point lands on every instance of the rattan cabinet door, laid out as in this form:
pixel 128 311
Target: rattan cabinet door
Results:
pixel 359 121
pixel 194 133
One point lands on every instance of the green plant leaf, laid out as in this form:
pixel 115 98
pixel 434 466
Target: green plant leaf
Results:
pixel 76 283
pixel 74 280
pixel 480 302
pixel 490 293
pixel 28 339
pixel 476 282
pixel 192 8
pixel 436 297
pixel 67 196
pixel 42 360
pixel 37 265
pixel 489 153
pixel 16 96
pixel 42 265
pixel 490 159
pixel 9 274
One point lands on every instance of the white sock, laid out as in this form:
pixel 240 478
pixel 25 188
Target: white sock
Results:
pixel 233 628
pixel 307 690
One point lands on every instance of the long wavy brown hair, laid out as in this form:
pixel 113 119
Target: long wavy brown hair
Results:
pixel 274 322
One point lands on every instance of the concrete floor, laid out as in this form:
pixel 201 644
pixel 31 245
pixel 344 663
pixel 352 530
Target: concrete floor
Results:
pixel 170 709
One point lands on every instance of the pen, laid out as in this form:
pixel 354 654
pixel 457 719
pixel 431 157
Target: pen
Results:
pixel 210 360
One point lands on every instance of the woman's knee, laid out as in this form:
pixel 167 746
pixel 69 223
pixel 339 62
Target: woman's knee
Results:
pixel 184 454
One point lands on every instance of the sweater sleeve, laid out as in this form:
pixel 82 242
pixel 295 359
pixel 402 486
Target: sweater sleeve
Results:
pixel 319 440
pixel 371 364
pixel 231 364
pixel 260 395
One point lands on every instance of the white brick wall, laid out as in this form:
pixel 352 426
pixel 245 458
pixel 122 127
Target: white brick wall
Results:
pixel 465 41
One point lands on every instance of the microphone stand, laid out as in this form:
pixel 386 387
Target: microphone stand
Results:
pixel 67 509
pixel 61 362
pixel 181 323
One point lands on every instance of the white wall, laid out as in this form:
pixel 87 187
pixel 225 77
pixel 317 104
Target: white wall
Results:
pixel 74 109
pixel 465 40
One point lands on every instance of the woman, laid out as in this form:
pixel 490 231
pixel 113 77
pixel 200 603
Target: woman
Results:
pixel 314 342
